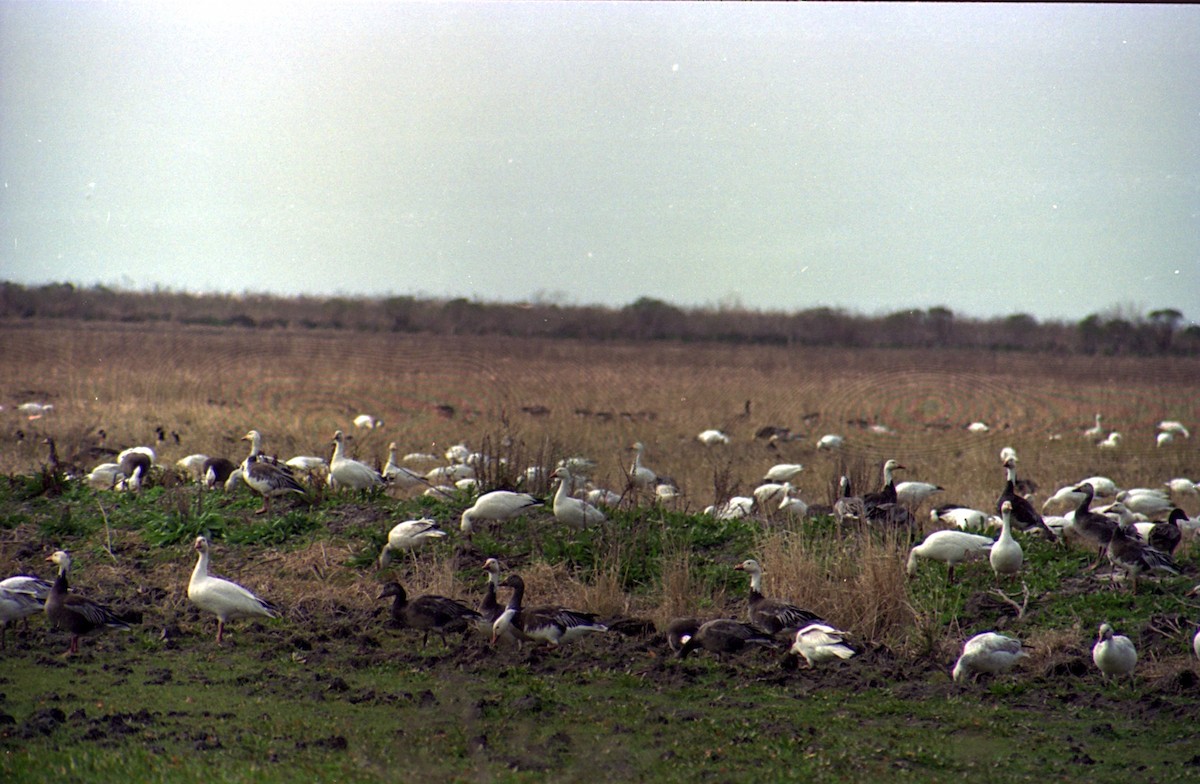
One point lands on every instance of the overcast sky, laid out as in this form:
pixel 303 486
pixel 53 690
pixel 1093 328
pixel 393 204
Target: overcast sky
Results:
pixel 994 159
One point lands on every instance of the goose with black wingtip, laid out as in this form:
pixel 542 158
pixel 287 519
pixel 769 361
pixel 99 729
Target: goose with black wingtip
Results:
pixel 429 613
pixel 549 624
pixel 74 613
pixel 772 615
pixel 223 598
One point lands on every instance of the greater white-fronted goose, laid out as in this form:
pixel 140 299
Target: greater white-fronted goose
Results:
pixel 819 642
pixel 723 635
pixel 352 474
pixel 264 475
pixel 74 613
pixel 223 598
pixel 497 505
pixel 772 615
pixel 20 597
pixel 573 511
pixel 989 653
pixel 948 547
pixel 429 613
pixel 547 623
pixel 1006 555
pixel 1127 552
pixel 1114 654
pixel 1024 516
pixel 1094 528
pixel 409 535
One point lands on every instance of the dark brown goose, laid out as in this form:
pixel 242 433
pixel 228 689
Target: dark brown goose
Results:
pixel 429 613
pixel 1024 516
pixel 1165 537
pixel 723 635
pixel 1092 527
pixel 680 630
pixel 74 613
pixel 771 615
pixel 1127 552
pixel 887 494
pixel 490 608
pixel 549 624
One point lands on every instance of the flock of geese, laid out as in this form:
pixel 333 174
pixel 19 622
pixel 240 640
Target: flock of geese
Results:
pixel 1138 533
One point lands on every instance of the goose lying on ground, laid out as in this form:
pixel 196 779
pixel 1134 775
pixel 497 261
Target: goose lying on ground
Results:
pixel 948 547
pixel 987 653
pixel 818 643
pixel 915 493
pixel 548 624
pixel 712 438
pixel 497 505
pixel 1114 654
pixel 429 613
pixel 20 597
pixel 772 615
pixel 960 517
pixel 223 598
pixel 679 631
pixel 722 636
pixel 409 535
pixel 74 613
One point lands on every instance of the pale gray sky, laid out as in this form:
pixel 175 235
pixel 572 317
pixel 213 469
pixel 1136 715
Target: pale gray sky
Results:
pixel 994 159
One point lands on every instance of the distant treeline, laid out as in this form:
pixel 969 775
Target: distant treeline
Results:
pixel 1157 332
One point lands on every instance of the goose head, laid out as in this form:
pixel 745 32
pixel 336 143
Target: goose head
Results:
pixel 61 559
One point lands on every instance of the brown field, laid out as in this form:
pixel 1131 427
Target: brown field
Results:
pixel 211 385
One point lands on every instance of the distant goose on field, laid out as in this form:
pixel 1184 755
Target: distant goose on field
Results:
pixel 721 636
pixel 1102 486
pixel 1112 442
pixel 348 473
pixel 830 442
pixel 497 505
pixel 819 642
pixel 74 613
pixel 1153 503
pixel 223 598
pixel 1173 427
pixel 1095 431
pixel 641 476
pixel 712 437
pixel 735 508
pixel 1131 555
pixel 949 547
pixel 549 624
pixel 887 494
pixel 1024 516
pixel 409 535
pixel 35 410
pixel 772 615
pixel 572 511
pixel 1162 439
pixel 600 496
pixel 398 475
pixel 429 613
pixel 1114 654
pixel 793 507
pixel 768 495
pixel 783 472
pixel 367 422
pixel 848 508
pixel 1006 555
pixel 20 597
pixel 978 427
pixel 987 653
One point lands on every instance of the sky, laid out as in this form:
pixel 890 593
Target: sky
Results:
pixel 989 158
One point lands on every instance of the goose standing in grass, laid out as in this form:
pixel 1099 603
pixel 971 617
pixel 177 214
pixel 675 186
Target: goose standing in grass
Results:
pixel 948 547
pixel 20 597
pixel 490 607
pixel 723 635
pixel 409 535
pixel 886 494
pixel 818 642
pixel 1127 552
pixel 987 653
pixel 1114 654
pixel 497 505
pixel 641 476
pixel 551 625
pixel 1096 431
pixel 74 613
pixel 772 615
pixel 1006 555
pixel 1094 528
pixel 848 508
pixel 223 598
pixel 429 613
pixel 264 476
pixel 398 475
pixel 791 506
pixel 572 511
pixel 783 472
pixel 352 474
pixel 1024 516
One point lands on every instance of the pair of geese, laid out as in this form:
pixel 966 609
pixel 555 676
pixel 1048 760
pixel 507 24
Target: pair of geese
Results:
pixel 991 653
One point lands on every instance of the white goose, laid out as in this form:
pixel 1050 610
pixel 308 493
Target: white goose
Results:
pixel 193 465
pixel 1174 427
pixel 818 643
pixel 793 507
pixel 1006 555
pixel 830 441
pixel 409 535
pixel 961 517
pixel 104 476
pixel 915 493
pixel 712 438
pixel 367 422
pixel 1114 654
pixel 949 547
pixel 225 599
pixel 783 472
pixel 641 476
pixel 987 653
pixel 497 505
pixel 345 472
pixel 1095 431
pixel 20 597
pixel 398 475
pixel 1112 442
pixel 572 511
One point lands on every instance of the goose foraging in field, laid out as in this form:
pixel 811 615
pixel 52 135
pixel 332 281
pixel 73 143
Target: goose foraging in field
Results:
pixel 572 511
pixel 1165 537
pixel 20 597
pixel 367 422
pixel 215 472
pixel 1006 555
pixel 987 653
pixel 948 547
pixel 409 535
pixel 74 613
pixel 783 472
pixel 1114 654
pixel 1112 442
pixel 345 472
pixel 848 508
pixel 679 631
pixel 1131 555
pixel 1024 516
pixel 830 442
pixel 548 624
pixel 497 505
pixel 819 642
pixel 429 613
pixel 1174 427
pixel 772 615
pixel 1095 431
pixel 223 598
pixel 960 517
pixel 721 636
pixel 398 475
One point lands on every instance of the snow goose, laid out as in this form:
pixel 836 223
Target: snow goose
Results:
pixel 223 598
pixel 978 427
pixel 712 437
pixel 35 410
pixel 549 624
pixel 1095 431
pixel 74 613
pixel 429 613
pixel 497 505
pixel 830 442
pixel 600 496
pixel 409 535
pixel 20 597
pixel 399 476
pixel 783 472
pixel 1182 486
pixel 848 508
pixel 769 494
pixel 352 474
pixel 772 615
pixel 575 513
pixel 1024 516
pixel 641 476
pixel 1102 486
pixel 948 547
pixel 1094 528
pixel 1006 555
pixel 1150 502
pixel 1196 644
pixel 818 642
pixel 723 635
pixel 367 422
pixel 913 494
pixel 736 508
pixel 308 466
pixel 1008 453
pixel 193 466
pixel 1112 442
pixel 1131 555
pixel 1174 427
pixel 960 517
pixel 793 507
pixel 987 653
pixel 1114 654
pixel 1162 439
pixel 104 476
pixel 886 494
